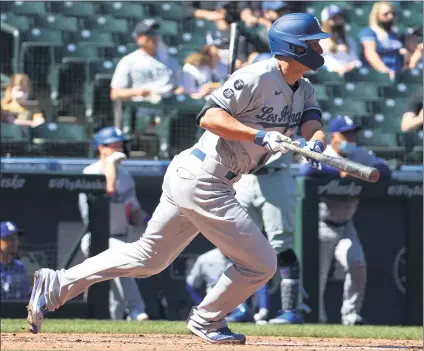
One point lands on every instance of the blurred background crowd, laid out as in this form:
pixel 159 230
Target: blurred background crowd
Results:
pixel 71 68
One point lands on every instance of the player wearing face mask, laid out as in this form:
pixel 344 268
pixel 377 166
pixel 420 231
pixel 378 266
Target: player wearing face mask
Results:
pixel 337 234
pixel 340 50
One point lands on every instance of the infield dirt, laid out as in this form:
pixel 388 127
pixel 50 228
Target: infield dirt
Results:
pixel 149 342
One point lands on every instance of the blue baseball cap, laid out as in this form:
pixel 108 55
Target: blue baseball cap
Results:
pixel 341 124
pixel 8 228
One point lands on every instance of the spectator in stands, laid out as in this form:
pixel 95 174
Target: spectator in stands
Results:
pixel 205 10
pixel 203 71
pixel 412 119
pixel 142 75
pixel 413 51
pixel 381 46
pixel 14 282
pixel 16 106
pixel 340 51
pixel 264 13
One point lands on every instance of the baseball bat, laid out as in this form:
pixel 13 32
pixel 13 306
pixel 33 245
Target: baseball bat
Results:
pixel 370 174
pixel 233 48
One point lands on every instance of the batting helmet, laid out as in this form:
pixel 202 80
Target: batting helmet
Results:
pixel 109 135
pixel 289 34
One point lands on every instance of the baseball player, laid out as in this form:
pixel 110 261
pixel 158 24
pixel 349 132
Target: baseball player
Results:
pixel 14 280
pixel 246 121
pixel 124 210
pixel 337 234
pixel 269 196
pixel 207 270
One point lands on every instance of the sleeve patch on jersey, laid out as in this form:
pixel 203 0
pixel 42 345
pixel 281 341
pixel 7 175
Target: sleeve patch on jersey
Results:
pixel 228 93
pixel 238 84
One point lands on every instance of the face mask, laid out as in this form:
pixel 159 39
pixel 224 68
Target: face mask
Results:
pixel 387 25
pixel 338 29
pixel 18 94
pixel 347 147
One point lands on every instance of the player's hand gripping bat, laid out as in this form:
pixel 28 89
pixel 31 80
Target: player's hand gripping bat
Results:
pixel 370 174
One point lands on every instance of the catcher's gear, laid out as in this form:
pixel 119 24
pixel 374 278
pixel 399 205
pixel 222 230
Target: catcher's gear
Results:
pixel 288 37
pixel 109 135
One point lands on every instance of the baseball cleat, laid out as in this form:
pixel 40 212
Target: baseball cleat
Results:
pixel 288 317
pixel 37 309
pixel 218 336
pixel 353 319
pixel 138 317
pixel 261 316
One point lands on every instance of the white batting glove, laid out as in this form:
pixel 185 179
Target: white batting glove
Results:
pixel 315 146
pixel 116 158
pixel 272 141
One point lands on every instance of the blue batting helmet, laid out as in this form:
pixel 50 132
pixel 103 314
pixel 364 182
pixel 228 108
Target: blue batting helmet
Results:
pixel 289 34
pixel 109 135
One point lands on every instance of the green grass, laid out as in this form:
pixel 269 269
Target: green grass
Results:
pixel 167 327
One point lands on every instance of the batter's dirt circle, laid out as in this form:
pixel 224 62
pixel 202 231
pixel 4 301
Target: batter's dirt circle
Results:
pixel 149 342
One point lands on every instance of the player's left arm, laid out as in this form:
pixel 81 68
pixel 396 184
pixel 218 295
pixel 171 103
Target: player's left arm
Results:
pixel 312 129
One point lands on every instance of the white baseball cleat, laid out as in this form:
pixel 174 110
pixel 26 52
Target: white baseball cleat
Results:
pixel 262 316
pixel 217 336
pixel 37 309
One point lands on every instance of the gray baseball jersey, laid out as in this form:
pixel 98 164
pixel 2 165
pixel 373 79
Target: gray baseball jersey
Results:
pixel 259 97
pixel 208 268
pixel 124 199
pixel 140 70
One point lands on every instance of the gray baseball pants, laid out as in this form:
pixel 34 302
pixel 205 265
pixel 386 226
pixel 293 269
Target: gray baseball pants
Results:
pixel 197 197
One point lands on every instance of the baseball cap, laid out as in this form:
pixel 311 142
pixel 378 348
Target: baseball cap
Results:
pixel 330 11
pixel 8 228
pixel 341 124
pixel 273 5
pixel 146 27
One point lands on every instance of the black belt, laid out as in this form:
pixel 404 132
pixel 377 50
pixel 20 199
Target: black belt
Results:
pixel 201 156
pixel 267 170
pixel 335 224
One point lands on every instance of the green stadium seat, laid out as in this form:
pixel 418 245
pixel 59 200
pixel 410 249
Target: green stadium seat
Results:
pixel 80 52
pixel 94 37
pixel 14 140
pixel 75 8
pixel 59 139
pixel 321 92
pixel 124 9
pixel 392 108
pixel 29 8
pixel 357 90
pixel 13 132
pixel 411 17
pixel 359 13
pixel 368 75
pixel 382 143
pixel 168 27
pixel 349 107
pixel 411 76
pixel 57 22
pixel 107 24
pixel 324 77
pixel 401 90
pixel 199 26
pixel 43 37
pixel 169 10
pixel 120 50
pixel 21 23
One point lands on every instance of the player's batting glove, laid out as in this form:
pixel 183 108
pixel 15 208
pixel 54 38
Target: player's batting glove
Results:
pixel 271 141
pixel 315 146
pixel 116 158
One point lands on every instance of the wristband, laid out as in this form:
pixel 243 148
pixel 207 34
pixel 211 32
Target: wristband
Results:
pixel 259 137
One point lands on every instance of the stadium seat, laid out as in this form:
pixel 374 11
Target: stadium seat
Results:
pixel 80 52
pixel 401 90
pixel 392 108
pixel 14 140
pixel 198 26
pixel 59 139
pixel 364 74
pixel 169 10
pixel 360 13
pixel 28 8
pixel 43 37
pixel 324 77
pixel 321 92
pixel 21 23
pixel 107 24
pixel 120 50
pixel 383 143
pixel 412 17
pixel 339 106
pixel 96 38
pixel 57 22
pixel 124 9
pixel 411 76
pixel 169 27
pixel 75 8
pixel 357 90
